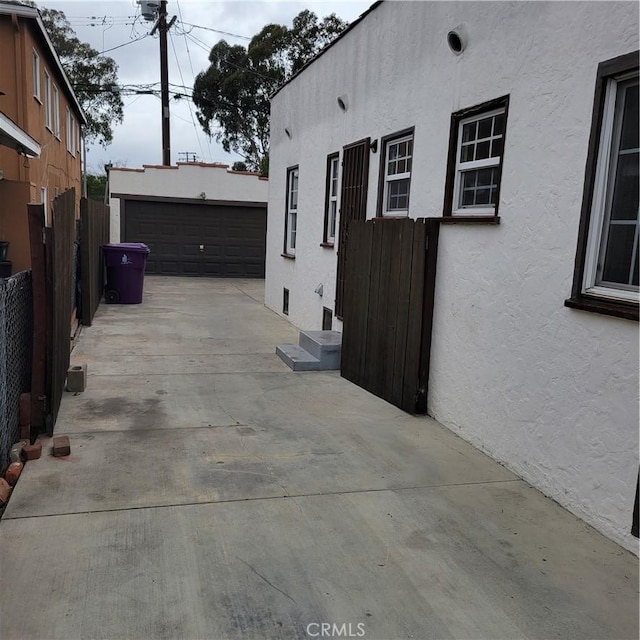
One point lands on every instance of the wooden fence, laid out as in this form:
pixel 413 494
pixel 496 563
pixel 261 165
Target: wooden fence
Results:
pixel 94 232
pixel 388 308
pixel 52 264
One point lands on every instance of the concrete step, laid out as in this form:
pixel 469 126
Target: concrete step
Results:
pixel 297 358
pixel 324 345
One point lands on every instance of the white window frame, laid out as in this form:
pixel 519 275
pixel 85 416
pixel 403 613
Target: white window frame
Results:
pixel 292 211
pixel 35 67
pixel 48 111
pixel 388 179
pixel 71 128
pixel 601 202
pixel 56 112
pixel 333 187
pixel 485 163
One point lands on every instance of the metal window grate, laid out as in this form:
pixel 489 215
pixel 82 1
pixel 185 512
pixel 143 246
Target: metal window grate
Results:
pixel 16 321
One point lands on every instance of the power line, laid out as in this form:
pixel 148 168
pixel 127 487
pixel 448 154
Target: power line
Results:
pixel 195 128
pixel 224 33
pixel 124 44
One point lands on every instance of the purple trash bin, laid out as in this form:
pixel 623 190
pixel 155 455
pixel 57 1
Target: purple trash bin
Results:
pixel 125 264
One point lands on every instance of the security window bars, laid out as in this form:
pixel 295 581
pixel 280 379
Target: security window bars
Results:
pixel 291 221
pixel 36 75
pixel 397 175
pixel 331 199
pixel 606 268
pixel 480 146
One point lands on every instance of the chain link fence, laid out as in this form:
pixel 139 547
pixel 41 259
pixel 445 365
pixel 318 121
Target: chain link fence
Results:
pixel 16 332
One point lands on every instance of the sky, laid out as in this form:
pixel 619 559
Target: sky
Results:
pixel 108 24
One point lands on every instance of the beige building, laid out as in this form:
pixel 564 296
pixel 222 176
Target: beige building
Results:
pixel 40 127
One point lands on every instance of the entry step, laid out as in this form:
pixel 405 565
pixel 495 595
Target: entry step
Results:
pixel 315 351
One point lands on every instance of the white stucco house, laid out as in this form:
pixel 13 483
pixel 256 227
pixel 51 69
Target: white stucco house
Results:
pixel 516 125
pixel 199 219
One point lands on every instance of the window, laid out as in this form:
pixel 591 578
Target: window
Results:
pixel 331 200
pixel 327 319
pixel 56 111
pixel 48 111
pixel 606 267
pixel 476 149
pixel 291 216
pixel 285 301
pixel 395 174
pixel 71 129
pixel 36 76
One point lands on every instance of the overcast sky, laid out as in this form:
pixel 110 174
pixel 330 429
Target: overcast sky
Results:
pixel 107 24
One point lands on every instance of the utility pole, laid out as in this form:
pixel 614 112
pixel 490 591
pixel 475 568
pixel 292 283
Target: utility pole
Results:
pixel 162 27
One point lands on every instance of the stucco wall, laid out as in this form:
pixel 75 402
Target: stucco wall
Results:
pixel 206 181
pixel 552 392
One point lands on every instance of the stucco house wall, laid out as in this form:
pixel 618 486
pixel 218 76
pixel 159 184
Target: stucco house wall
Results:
pixel 551 392
pixel 184 180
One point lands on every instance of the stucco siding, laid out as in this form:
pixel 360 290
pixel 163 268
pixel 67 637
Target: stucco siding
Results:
pixel 194 181
pixel 551 392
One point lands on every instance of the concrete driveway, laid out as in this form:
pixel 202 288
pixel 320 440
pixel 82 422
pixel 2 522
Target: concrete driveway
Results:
pixel 213 493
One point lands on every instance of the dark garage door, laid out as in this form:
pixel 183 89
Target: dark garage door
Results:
pixel 218 240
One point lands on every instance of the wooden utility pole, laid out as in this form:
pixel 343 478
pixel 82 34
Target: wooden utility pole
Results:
pixel 164 84
pixel 162 27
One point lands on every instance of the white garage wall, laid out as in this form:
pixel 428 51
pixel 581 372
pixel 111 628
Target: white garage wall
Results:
pixel 550 391
pixel 184 180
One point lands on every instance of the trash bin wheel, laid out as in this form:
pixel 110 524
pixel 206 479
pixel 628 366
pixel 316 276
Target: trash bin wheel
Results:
pixel 111 296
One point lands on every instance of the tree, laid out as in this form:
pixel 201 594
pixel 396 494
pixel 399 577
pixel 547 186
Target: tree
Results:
pixel 232 95
pixel 93 77
pixel 239 166
pixel 96 186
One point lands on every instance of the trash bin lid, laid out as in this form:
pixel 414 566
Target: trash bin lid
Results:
pixel 135 247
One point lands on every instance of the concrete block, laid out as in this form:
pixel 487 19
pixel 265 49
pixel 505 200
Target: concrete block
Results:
pixel 17 453
pixel 5 491
pixel 33 451
pixel 61 446
pixel 25 409
pixel 13 472
pixel 77 378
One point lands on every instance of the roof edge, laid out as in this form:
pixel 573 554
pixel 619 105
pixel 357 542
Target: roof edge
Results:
pixel 322 51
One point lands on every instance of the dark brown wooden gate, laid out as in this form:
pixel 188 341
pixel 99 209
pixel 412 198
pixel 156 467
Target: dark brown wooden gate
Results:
pixel 94 232
pixel 51 264
pixel 353 205
pixel 388 308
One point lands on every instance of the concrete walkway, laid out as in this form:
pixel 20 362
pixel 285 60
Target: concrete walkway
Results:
pixel 213 493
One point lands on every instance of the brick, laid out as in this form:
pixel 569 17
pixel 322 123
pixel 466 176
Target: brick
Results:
pixel 61 446
pixel 77 378
pixel 5 491
pixel 33 451
pixel 13 472
pixel 25 432
pixel 25 409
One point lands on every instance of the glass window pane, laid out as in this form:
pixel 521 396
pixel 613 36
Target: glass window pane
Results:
pixel 402 166
pixel 391 168
pixel 402 150
pixel 467 153
pixel 398 195
pixel 630 119
pixel 469 131
pixel 408 165
pixel 617 263
pixel 483 150
pixel 393 151
pixel 634 276
pixel 410 147
pixel 496 148
pixel 467 197
pixel 625 190
pixel 469 179
pixel 494 194
pixel 483 196
pixel 485 177
pixel 484 128
pixel 498 125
